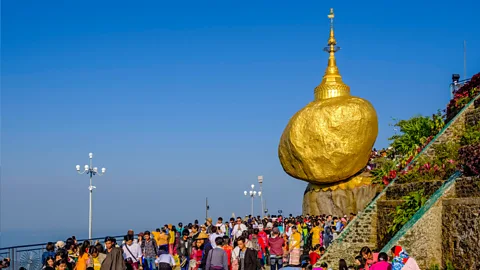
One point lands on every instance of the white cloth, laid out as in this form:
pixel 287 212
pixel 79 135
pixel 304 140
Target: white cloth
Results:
pixel 165 258
pixel 237 232
pixel 212 238
pixel 221 227
pixel 289 231
pixel 411 264
pixel 134 249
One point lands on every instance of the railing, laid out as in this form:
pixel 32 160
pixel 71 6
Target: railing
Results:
pixel 454 86
pixel 30 256
pixel 421 212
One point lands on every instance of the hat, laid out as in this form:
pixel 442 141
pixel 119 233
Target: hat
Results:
pixel 202 235
pixel 209 220
pixel 60 244
pixel 203 226
pixel 169 226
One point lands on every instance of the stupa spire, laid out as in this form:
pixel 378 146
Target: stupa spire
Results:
pixel 332 84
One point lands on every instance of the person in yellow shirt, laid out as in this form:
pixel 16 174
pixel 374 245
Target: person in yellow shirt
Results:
pixel 294 247
pixel 156 235
pixel 315 232
pixel 171 239
pixel 83 256
pixel 97 258
pixel 162 239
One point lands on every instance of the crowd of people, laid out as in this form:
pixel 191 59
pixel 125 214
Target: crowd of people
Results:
pixel 252 243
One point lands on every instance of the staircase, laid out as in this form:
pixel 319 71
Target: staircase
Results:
pixel 370 226
pixel 445 229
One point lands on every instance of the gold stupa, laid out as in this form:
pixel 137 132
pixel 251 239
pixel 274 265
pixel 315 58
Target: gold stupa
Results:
pixel 331 138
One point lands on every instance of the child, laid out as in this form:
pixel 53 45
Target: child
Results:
pixel 61 265
pixel 314 255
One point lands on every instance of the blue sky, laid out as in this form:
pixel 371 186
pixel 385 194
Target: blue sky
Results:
pixel 183 100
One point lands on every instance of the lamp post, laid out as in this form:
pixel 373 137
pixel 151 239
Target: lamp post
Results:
pixel 260 182
pixel 252 193
pixel 90 171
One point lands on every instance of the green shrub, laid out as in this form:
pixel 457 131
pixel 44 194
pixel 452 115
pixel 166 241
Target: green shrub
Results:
pixel 404 212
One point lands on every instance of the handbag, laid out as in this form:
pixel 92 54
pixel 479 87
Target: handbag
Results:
pixel 192 263
pixel 129 260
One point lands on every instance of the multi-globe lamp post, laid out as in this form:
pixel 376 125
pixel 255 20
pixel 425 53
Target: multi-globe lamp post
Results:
pixel 90 171
pixel 252 193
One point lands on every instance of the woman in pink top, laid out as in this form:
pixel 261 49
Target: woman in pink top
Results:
pixel 382 263
pixel 369 257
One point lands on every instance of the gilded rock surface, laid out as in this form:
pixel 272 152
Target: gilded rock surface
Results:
pixel 331 138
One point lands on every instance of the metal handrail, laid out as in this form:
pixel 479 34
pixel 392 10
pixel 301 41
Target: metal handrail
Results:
pixel 44 244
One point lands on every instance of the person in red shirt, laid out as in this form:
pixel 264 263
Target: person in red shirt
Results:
pixel 228 249
pixel 314 255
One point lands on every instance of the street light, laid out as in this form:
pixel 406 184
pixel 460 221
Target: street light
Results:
pixel 252 193
pixel 91 171
pixel 260 182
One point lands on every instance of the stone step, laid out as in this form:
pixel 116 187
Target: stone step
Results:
pixel 398 190
pixel 384 220
pixel 467 187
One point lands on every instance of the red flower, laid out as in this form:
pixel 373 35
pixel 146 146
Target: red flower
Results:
pixel 385 180
pixel 392 174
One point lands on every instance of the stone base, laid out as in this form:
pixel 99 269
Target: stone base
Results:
pixel 337 201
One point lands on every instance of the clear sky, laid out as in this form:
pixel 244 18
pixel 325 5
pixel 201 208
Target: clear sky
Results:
pixel 183 100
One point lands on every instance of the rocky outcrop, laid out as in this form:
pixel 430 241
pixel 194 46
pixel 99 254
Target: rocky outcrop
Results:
pixel 337 202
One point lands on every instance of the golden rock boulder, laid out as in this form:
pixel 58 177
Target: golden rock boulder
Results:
pixel 331 138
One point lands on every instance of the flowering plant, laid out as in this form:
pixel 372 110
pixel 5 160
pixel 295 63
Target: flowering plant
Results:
pixel 470 159
pixel 429 170
pixel 462 96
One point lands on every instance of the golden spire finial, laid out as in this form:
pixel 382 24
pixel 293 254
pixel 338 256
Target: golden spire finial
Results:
pixel 332 84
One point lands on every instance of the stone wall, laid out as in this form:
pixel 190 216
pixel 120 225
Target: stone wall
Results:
pixel 384 220
pixel 362 231
pixel 461 232
pixel 457 127
pixel 467 187
pixel 473 117
pixel 424 240
pixel 397 191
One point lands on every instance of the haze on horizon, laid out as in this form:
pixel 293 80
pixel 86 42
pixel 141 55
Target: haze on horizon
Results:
pixel 182 101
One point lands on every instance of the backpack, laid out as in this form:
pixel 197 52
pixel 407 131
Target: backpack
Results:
pixel 253 243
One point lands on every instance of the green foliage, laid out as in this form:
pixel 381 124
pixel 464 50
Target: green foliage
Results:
pixel 384 166
pixel 414 133
pixel 471 135
pixel 449 266
pixel 434 267
pixel 404 212
pixel 445 152
pixel 437 123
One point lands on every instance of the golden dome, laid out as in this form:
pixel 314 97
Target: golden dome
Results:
pixel 332 84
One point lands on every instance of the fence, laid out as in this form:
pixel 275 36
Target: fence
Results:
pixel 30 256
